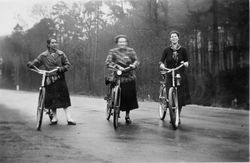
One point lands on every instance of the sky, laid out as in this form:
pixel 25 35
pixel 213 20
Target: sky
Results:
pixel 17 11
pixel 13 12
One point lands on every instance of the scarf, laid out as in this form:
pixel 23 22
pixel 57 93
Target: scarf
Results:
pixel 175 53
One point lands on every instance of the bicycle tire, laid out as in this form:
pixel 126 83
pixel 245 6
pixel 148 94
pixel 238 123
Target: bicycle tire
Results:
pixel 108 110
pixel 116 107
pixel 40 109
pixel 173 107
pixel 162 105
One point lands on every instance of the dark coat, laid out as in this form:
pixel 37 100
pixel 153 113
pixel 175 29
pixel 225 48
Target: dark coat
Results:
pixel 172 58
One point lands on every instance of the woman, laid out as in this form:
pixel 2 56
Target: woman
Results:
pixel 172 57
pixel 57 94
pixel 125 57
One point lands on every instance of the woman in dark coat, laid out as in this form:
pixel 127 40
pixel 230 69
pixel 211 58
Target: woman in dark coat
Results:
pixel 172 57
pixel 125 57
pixel 57 94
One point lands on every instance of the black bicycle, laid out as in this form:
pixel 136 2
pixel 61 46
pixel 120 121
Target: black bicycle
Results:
pixel 114 94
pixel 170 99
pixel 41 98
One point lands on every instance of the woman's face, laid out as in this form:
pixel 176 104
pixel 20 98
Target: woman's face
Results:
pixel 53 44
pixel 174 38
pixel 122 42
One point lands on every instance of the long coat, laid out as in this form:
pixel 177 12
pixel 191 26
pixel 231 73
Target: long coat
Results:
pixel 57 94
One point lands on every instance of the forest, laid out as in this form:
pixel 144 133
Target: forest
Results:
pixel 215 33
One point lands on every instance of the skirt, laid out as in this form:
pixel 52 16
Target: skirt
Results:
pixel 57 94
pixel 128 96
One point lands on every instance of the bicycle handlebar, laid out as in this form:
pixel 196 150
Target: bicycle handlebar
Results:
pixel 167 70
pixel 116 67
pixel 42 72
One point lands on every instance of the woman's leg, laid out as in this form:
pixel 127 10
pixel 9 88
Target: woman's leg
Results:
pixel 54 118
pixel 68 117
pixel 127 118
pixel 127 114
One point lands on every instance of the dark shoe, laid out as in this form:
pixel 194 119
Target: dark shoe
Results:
pixel 71 123
pixel 128 121
pixel 53 123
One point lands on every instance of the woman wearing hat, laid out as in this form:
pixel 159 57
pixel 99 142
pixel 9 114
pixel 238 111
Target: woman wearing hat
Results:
pixel 125 57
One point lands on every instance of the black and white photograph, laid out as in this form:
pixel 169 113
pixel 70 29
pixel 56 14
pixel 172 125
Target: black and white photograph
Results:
pixel 124 81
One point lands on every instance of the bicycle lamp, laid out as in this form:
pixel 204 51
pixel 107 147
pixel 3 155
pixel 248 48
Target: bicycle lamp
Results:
pixel 119 72
pixel 178 79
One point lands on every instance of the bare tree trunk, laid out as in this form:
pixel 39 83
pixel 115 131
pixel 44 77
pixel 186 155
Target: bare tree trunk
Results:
pixel 196 51
pixel 215 57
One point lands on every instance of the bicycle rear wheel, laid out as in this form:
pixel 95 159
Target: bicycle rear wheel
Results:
pixel 173 107
pixel 117 98
pixel 162 105
pixel 40 109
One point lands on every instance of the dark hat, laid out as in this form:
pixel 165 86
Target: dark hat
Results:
pixel 120 36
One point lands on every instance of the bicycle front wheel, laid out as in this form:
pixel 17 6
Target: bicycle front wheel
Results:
pixel 117 99
pixel 108 110
pixel 173 107
pixel 40 108
pixel 162 105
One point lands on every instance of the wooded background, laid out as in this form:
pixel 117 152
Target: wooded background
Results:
pixel 215 33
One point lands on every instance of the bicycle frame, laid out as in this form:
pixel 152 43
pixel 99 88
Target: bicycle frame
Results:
pixel 41 98
pixel 116 93
pixel 172 99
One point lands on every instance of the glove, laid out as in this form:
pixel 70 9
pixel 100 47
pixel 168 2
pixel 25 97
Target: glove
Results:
pixel 29 64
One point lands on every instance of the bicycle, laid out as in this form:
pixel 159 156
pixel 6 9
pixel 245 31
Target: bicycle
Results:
pixel 169 100
pixel 114 100
pixel 41 98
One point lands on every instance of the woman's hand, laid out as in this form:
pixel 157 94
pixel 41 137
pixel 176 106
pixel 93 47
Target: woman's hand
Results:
pixel 29 64
pixel 121 68
pixel 162 66
pixel 132 66
pixel 185 64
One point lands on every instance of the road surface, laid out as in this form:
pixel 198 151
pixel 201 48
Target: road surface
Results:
pixel 206 134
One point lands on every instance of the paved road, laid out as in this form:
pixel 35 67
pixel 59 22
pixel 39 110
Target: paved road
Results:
pixel 206 134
